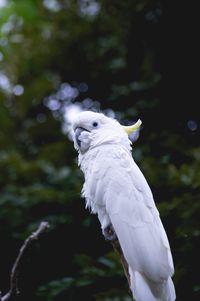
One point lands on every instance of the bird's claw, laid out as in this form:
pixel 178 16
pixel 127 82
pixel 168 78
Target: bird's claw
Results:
pixel 109 233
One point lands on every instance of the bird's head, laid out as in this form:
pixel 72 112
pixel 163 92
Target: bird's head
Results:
pixel 92 129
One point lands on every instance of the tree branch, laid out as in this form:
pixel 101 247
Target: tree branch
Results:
pixel 14 290
pixel 116 245
pixel 110 235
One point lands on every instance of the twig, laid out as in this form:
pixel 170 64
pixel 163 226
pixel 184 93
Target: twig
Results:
pixel 14 290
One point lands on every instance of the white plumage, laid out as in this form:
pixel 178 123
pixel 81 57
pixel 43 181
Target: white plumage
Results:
pixel 116 190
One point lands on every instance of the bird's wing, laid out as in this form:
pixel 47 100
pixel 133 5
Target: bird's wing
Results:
pixel 132 211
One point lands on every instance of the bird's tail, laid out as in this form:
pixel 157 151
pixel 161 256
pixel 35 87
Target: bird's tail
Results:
pixel 144 289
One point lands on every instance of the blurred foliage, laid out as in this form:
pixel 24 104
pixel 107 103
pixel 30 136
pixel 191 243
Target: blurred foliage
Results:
pixel 106 55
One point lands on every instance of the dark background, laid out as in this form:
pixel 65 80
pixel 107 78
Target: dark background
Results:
pixel 140 59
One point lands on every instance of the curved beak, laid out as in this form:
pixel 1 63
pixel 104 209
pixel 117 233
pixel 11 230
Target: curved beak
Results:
pixel 78 132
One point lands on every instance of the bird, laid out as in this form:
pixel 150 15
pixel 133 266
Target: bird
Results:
pixel 116 190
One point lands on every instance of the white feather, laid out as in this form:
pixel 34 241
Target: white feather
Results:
pixel 116 190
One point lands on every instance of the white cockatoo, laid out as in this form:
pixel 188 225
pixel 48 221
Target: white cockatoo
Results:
pixel 116 190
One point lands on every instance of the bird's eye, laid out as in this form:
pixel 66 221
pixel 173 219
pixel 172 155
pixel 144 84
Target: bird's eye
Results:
pixel 95 124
